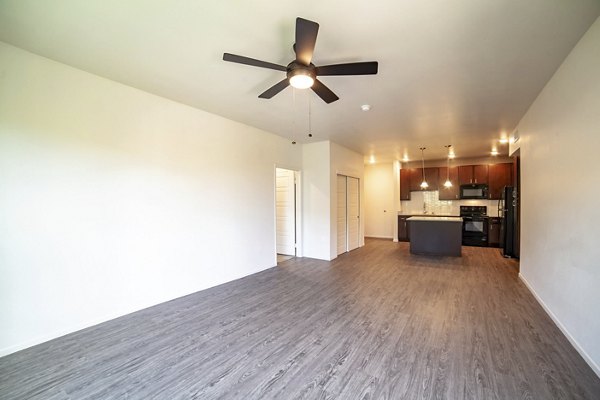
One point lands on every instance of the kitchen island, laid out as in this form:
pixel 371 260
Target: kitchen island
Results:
pixel 439 236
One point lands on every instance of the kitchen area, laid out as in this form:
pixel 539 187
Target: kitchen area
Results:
pixel 480 198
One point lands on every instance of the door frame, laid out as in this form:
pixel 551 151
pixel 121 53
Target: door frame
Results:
pixel 297 209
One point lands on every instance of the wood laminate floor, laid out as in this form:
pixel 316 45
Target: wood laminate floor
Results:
pixel 376 323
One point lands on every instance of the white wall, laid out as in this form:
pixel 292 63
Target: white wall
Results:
pixel 316 209
pixel 344 162
pixel 560 185
pixel 112 199
pixel 379 200
pixel 321 163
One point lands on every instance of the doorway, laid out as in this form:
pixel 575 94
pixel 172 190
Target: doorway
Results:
pixel 285 214
pixel 348 213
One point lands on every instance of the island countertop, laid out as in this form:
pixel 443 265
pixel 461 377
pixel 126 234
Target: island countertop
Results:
pixel 432 219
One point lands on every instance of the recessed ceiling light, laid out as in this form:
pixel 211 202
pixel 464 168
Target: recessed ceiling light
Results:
pixel 365 107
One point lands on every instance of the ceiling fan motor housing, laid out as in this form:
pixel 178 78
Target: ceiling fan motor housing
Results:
pixel 295 68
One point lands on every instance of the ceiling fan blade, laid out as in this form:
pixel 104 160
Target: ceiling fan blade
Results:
pixel 251 61
pixel 324 92
pixel 306 38
pixel 359 68
pixel 273 90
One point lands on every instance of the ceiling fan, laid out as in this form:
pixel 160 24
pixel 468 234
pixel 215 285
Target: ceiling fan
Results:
pixel 301 72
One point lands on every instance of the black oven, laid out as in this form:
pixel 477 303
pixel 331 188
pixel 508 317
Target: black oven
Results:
pixel 475 225
pixel 474 191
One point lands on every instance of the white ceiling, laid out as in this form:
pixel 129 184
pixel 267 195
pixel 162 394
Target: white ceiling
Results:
pixel 450 72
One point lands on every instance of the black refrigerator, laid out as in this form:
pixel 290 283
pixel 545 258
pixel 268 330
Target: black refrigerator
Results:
pixel 507 211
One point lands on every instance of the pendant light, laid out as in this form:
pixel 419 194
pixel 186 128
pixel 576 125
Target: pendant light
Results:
pixel 448 184
pixel 424 184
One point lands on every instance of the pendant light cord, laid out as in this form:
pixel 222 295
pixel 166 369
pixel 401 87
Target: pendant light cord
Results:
pixel 423 161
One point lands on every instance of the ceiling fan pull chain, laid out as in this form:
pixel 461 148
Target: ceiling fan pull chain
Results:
pixel 309 117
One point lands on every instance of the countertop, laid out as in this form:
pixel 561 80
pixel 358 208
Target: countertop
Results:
pixel 427 215
pixel 433 218
pixel 401 214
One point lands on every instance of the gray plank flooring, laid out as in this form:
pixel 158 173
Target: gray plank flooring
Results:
pixel 376 323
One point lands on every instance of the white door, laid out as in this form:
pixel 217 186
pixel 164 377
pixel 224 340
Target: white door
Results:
pixel 286 214
pixel 353 213
pixel 342 228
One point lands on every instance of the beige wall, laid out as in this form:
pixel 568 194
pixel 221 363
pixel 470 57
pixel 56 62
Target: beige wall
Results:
pixel 560 185
pixel 379 200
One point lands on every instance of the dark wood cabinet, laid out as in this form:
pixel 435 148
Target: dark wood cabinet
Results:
pixel 495 175
pixel 432 176
pixel 500 175
pixel 472 174
pixel 404 184
pixel 452 192
pixel 403 228
pixel 416 177
pixel 494 232
pixel 480 173
pixel 465 174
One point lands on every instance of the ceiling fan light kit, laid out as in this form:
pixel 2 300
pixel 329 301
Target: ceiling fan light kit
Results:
pixel 301 78
pixel 302 73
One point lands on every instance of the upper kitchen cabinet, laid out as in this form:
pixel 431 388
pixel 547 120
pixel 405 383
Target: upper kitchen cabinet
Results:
pixel 416 177
pixel 500 175
pixel 432 176
pixel 404 184
pixel 450 193
pixel 472 174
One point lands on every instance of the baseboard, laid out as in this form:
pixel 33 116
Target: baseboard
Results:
pixel 61 332
pixel 562 328
pixel 87 324
pixel 379 237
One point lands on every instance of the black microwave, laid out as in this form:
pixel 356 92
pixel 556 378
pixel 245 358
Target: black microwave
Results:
pixel 474 191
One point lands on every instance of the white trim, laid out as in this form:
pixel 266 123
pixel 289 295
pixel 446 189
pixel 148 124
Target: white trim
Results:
pixel 299 244
pixel 562 328
pixel 109 317
pixel 298 210
pixel 63 332
pixel 380 237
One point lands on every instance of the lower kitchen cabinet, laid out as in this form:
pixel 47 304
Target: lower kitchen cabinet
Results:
pixel 403 228
pixel 494 232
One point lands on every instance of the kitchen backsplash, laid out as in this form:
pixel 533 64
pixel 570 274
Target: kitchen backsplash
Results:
pixel 442 207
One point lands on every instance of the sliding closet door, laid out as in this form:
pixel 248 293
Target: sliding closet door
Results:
pixel 353 214
pixel 348 213
pixel 342 227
